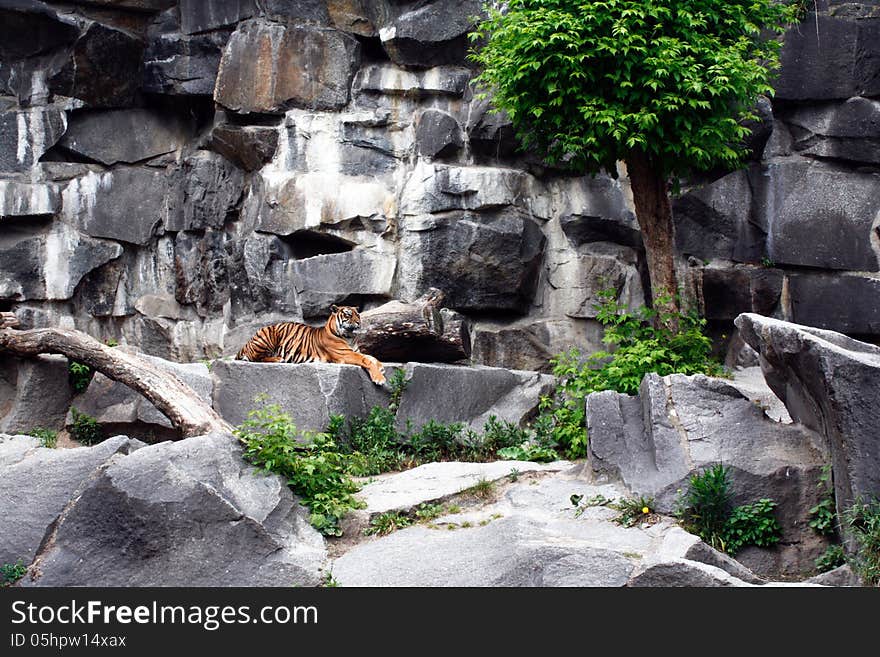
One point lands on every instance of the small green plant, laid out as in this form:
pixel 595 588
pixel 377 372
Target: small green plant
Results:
pixel 767 262
pixel 529 451
pixel 705 507
pixel 385 523
pixel 595 500
pixel 329 581
pixel 633 510
pixel 80 375
pixel 397 383
pixel 639 344
pixel 824 520
pixel 513 475
pixel 10 573
pixel 861 521
pixel 427 512
pixel 833 557
pixel 85 429
pixel 751 524
pixel 48 437
pixel 111 342
pixel 311 463
pixel 483 489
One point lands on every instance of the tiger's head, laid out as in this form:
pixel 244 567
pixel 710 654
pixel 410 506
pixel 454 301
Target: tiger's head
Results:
pixel 344 320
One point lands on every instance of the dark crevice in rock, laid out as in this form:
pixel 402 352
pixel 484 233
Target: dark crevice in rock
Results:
pixel 308 244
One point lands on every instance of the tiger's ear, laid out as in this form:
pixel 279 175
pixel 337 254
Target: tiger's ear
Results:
pixel 334 309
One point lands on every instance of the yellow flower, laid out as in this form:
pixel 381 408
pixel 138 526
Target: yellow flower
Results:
pixel 646 510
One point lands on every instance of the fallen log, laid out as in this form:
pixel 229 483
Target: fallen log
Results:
pixel 186 411
pixel 421 331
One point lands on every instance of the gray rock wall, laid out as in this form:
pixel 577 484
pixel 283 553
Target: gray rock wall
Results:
pixel 175 174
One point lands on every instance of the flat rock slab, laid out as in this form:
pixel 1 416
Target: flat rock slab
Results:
pixel 436 481
pixel 533 536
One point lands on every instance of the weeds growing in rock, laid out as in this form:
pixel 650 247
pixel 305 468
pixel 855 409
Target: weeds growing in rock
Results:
pixel 861 521
pixel 823 515
pixel 385 523
pixel 85 429
pixel 706 509
pixel 633 510
pixel 48 437
pixel 10 573
pixel 639 345
pixel 483 489
pixel 833 557
pixel 311 463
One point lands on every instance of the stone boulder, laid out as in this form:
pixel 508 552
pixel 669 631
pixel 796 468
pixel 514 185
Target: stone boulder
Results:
pixel 181 65
pixel 138 134
pixel 125 204
pixel 840 131
pixel 470 395
pixel 268 67
pixel 47 261
pixel 249 147
pixel 27 199
pixel 198 16
pixel 828 383
pixel 830 58
pixel 38 483
pixel 310 393
pixel 848 303
pixel 119 409
pixel 678 426
pixel 30 27
pixel 437 134
pixel 481 260
pixel 34 393
pixel 206 187
pixel 188 513
pixel 105 68
pixel 26 134
pixel 429 34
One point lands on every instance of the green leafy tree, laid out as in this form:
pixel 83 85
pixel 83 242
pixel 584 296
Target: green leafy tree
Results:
pixel 662 85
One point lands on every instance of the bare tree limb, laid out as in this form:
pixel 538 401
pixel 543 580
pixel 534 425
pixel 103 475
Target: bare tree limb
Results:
pixel 177 401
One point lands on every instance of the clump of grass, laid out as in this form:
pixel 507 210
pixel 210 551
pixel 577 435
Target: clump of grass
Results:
pixel 861 521
pixel 385 523
pixel 633 510
pixel 48 437
pixel 483 489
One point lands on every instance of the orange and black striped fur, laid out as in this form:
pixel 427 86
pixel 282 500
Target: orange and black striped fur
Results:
pixel 292 342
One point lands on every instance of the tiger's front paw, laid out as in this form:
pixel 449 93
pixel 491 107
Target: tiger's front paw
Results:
pixel 377 372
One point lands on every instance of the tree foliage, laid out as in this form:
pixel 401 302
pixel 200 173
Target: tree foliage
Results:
pixel 588 82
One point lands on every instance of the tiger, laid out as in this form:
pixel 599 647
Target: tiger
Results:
pixel 293 342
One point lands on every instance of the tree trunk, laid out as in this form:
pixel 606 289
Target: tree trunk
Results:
pixel 399 332
pixel 183 407
pixel 654 214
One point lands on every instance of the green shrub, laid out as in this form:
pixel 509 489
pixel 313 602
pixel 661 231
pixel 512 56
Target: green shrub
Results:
pixel 862 522
pixel 85 428
pixel 529 451
pixel 314 469
pixel 48 437
pixel 397 383
pixel 640 345
pixel 707 504
pixel 706 509
pixel 372 444
pixel 10 573
pixel 80 375
pixel 833 557
pixel 751 524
